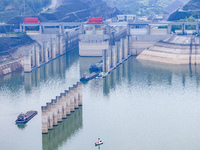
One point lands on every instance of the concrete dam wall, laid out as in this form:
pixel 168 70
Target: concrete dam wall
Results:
pixel 33 54
pixel 174 50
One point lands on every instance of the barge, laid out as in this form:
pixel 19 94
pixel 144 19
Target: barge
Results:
pixel 89 77
pixel 24 118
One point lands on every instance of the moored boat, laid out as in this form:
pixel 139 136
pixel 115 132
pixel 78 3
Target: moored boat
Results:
pixel 97 67
pixel 24 118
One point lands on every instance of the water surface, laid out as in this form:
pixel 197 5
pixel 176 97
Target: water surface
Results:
pixel 140 105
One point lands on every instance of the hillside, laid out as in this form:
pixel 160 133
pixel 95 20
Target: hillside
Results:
pixel 72 11
pixel 190 9
pixel 79 10
pixel 8 43
pixel 12 8
pixel 144 7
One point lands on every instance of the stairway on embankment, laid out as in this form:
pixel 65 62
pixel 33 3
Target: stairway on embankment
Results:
pixel 174 50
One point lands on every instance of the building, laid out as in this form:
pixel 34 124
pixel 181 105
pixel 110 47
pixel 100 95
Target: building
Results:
pixel 123 18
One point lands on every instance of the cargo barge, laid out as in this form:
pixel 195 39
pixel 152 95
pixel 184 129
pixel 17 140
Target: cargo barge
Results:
pixel 24 118
pixel 89 77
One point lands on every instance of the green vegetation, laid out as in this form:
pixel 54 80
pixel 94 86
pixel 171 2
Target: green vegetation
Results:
pixel 187 27
pixel 8 43
pixel 12 8
pixel 190 19
pixel 176 27
pixel 140 7
pixel 198 35
pixel 162 27
pixel 190 9
pixel 192 5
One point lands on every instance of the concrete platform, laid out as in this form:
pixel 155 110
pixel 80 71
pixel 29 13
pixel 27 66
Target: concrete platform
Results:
pixel 174 50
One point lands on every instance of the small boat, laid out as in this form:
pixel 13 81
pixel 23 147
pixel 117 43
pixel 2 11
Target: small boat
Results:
pixel 24 118
pixel 96 67
pixel 89 77
pixel 99 142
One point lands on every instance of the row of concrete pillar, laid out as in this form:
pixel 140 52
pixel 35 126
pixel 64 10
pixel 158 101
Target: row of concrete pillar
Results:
pixel 116 54
pixel 44 52
pixel 169 28
pixel 64 131
pixel 59 108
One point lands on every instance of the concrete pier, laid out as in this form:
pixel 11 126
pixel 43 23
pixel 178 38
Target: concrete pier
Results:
pixel 49 47
pixel 97 37
pixel 115 54
pixel 59 108
pixel 63 131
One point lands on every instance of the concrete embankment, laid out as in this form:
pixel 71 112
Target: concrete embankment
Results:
pixel 174 50
pixel 141 42
pixel 12 53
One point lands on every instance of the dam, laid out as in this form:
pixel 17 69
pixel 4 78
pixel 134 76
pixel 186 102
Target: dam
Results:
pixel 120 39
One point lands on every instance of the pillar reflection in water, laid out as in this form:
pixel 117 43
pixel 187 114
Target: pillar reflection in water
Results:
pixel 63 131
pixel 50 70
pixel 59 108
pixel 114 78
pixel 150 73
pixel 27 82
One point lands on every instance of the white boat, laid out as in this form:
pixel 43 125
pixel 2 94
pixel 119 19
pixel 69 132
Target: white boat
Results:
pixel 99 142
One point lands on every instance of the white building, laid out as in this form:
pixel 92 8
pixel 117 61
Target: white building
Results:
pixel 122 18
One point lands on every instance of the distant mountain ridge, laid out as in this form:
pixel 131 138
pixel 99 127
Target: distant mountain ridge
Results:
pixel 12 8
pixel 192 8
pixel 79 10
pixel 72 11
pixel 146 7
pixel 171 8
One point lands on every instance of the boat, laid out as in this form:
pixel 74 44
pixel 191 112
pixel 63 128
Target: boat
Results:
pixel 24 118
pixel 89 77
pixel 99 142
pixel 97 67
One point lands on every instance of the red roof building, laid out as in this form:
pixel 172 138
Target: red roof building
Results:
pixel 95 20
pixel 31 20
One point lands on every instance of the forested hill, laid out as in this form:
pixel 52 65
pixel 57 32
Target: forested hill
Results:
pixel 146 7
pixel 12 8
pixel 79 10
pixel 66 10
pixel 192 8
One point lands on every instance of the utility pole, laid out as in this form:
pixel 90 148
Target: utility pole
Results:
pixel 24 7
